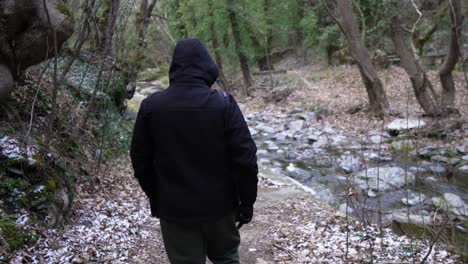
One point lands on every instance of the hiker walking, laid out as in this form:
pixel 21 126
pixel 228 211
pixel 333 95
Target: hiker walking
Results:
pixel 195 159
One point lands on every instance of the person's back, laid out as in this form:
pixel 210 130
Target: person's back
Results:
pixel 194 157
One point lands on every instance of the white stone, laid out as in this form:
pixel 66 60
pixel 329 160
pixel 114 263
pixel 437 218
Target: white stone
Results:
pixel 402 216
pixel 371 194
pixel 322 141
pixel 377 139
pixel 266 129
pixel 463 168
pixel 405 124
pixel 414 199
pixel 454 200
pixel 296 126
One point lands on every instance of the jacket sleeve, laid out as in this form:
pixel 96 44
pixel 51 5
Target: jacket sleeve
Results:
pixel 243 153
pixel 141 153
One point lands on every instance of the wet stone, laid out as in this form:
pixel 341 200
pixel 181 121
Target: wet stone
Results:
pixel 415 169
pixel 437 169
pixel 403 216
pixel 350 163
pixel 414 199
pixel 463 168
pixel 297 173
pixel 384 178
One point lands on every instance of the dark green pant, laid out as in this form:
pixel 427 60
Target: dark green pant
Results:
pixel 192 243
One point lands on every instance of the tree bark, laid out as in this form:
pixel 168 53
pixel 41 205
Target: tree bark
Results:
pixel 268 66
pixel 419 80
pixel 455 10
pixel 244 63
pixel 141 24
pixel 110 27
pixel 377 98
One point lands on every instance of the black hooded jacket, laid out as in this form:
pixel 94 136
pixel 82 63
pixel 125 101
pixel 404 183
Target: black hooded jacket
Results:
pixel 193 153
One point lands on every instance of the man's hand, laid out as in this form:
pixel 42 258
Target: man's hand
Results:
pixel 244 216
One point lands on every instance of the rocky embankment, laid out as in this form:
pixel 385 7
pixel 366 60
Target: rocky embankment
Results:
pixel 391 174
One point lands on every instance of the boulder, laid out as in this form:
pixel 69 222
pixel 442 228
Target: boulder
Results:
pixel 266 129
pixel 452 203
pixel 402 216
pixel 27 24
pixel 401 125
pixel 413 199
pixel 383 179
pixel 296 126
pixel 437 169
pixel 463 168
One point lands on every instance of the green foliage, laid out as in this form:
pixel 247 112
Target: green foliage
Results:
pixel 311 30
pixel 116 133
pixel 10 233
pixel 465 256
pixel 65 9
pixel 8 185
pixel 13 235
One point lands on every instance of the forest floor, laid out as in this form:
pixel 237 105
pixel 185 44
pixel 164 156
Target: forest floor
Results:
pixel 338 95
pixel 111 223
pixel 110 220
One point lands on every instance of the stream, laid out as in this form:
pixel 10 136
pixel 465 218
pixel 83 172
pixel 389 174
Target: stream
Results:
pixel 379 176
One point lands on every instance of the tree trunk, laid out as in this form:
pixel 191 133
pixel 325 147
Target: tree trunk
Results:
pixel 215 43
pixel 244 63
pixel 269 37
pixel 421 84
pixel 141 24
pixel 110 27
pixel 455 8
pixel 375 92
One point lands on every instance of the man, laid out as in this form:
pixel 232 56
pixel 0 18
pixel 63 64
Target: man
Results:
pixel 195 159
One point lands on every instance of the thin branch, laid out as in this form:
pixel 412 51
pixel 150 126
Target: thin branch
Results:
pixel 435 240
pixel 420 15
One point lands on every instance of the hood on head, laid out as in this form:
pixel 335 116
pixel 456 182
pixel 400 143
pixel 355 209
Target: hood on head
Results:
pixel 191 62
